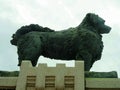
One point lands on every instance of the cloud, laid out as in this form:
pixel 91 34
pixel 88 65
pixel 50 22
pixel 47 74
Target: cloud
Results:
pixel 58 15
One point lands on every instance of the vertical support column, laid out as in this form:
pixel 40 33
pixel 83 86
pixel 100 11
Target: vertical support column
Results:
pixel 60 71
pixel 40 80
pixel 79 75
pixel 21 82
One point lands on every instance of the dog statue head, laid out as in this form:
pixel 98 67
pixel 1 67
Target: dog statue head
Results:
pixel 96 22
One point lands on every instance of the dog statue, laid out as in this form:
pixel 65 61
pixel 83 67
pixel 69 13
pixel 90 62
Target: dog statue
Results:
pixel 83 42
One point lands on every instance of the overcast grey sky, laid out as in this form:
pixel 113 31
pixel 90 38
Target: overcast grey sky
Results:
pixel 58 15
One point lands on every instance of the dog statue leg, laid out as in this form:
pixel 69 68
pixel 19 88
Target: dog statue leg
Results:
pixel 86 57
pixel 29 48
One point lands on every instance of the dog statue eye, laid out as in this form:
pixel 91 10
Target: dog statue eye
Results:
pixel 103 21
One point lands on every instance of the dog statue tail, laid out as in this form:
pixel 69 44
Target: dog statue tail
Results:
pixel 26 29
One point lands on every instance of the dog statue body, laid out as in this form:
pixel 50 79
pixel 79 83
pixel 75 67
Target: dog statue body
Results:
pixel 83 42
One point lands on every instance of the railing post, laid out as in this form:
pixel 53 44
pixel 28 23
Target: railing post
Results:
pixel 21 82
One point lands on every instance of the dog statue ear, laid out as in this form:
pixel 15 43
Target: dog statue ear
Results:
pixel 92 17
pixel 89 17
pixel 88 14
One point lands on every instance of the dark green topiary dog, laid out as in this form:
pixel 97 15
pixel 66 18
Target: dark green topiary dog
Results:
pixel 83 42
